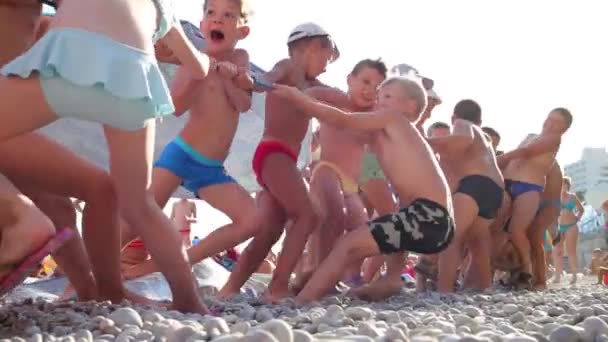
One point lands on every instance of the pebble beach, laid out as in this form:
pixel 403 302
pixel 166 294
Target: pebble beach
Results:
pixel 561 313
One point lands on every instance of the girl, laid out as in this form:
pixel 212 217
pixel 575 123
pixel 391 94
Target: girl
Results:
pixel 97 63
pixel 571 212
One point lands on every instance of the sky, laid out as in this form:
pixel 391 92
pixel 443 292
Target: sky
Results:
pixel 518 59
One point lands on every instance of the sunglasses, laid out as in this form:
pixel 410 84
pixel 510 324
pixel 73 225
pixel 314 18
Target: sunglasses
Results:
pixel 408 70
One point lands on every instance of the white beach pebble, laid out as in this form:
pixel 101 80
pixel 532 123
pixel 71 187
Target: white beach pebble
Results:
pixel 124 316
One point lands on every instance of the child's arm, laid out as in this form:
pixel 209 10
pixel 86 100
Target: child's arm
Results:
pixel 279 72
pixel 238 88
pixel 197 63
pixel 362 121
pixel 183 91
pixel 461 138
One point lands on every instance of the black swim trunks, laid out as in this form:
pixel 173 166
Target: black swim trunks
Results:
pixel 424 227
pixel 485 192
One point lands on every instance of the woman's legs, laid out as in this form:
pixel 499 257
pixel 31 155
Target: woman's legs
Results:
pixel 571 243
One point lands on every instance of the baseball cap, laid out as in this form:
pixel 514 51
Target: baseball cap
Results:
pixel 310 30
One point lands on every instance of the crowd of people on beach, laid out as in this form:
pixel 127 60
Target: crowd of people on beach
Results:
pixel 380 186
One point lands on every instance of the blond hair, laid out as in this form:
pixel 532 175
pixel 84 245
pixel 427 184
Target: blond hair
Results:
pixel 245 7
pixel 568 182
pixel 411 89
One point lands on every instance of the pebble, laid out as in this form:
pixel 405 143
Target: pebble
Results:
pixel 564 333
pixel 510 309
pixel 124 316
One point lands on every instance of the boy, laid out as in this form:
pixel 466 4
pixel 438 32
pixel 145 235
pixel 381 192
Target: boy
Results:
pixel 478 194
pixel 438 129
pixel 333 185
pixel 195 158
pixel 524 172
pixel 285 195
pixel 494 137
pixel 425 225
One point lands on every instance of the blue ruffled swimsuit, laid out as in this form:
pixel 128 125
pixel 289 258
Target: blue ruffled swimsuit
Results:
pixel 89 76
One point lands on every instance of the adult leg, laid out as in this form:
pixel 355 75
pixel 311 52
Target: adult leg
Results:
pixel 479 249
pixel 558 261
pixel 272 221
pixel 571 244
pixel 525 207
pixel 536 234
pixel 131 154
pixel 285 184
pixel 465 214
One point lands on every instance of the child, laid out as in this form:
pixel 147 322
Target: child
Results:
pixel 425 225
pixel 285 195
pixel 113 80
pixel 195 157
pixel 524 172
pixel 333 184
pixel 477 197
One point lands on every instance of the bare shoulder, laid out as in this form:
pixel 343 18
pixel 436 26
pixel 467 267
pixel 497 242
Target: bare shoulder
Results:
pixel 240 57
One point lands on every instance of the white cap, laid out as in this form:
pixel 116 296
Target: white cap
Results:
pixel 431 93
pixel 309 30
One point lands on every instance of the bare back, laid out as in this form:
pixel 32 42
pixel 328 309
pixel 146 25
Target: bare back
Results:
pixel 19 20
pixel 132 22
pixel 479 158
pixel 283 121
pixel 409 163
pixel 531 170
pixel 213 119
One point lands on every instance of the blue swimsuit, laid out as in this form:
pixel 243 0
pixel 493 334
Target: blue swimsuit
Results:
pixel 570 206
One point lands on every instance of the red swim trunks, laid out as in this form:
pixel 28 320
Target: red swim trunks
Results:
pixel 266 148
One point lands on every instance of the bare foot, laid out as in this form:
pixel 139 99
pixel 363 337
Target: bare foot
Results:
pixel 275 297
pixel 138 299
pixel 226 294
pixel 378 290
pixel 197 307
pixel 301 279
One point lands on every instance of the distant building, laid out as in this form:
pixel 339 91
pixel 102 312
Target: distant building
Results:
pixel 590 175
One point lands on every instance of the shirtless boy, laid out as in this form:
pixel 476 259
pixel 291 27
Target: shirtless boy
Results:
pixel 425 225
pixel 524 172
pixel 477 197
pixel 494 136
pixel 547 216
pixel 195 158
pixel 285 195
pixel 438 129
pixel 334 179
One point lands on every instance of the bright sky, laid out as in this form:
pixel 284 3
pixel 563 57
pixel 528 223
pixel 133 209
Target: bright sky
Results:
pixel 518 59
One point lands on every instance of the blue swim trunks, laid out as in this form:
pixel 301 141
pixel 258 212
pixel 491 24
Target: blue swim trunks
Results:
pixel 195 170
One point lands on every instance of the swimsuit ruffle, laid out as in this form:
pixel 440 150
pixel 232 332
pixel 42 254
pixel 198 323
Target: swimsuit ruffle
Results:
pixel 89 59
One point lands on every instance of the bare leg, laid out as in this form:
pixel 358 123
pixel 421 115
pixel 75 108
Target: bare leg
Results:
pixel 288 188
pixel 536 233
pixel 386 285
pixel 479 248
pixel 44 165
pixel 355 217
pixel 23 227
pixel 378 194
pixel 465 214
pixel 356 245
pixel 272 221
pixel 524 211
pixel 558 260
pixel 571 244
pixel 131 156
pixel 72 257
